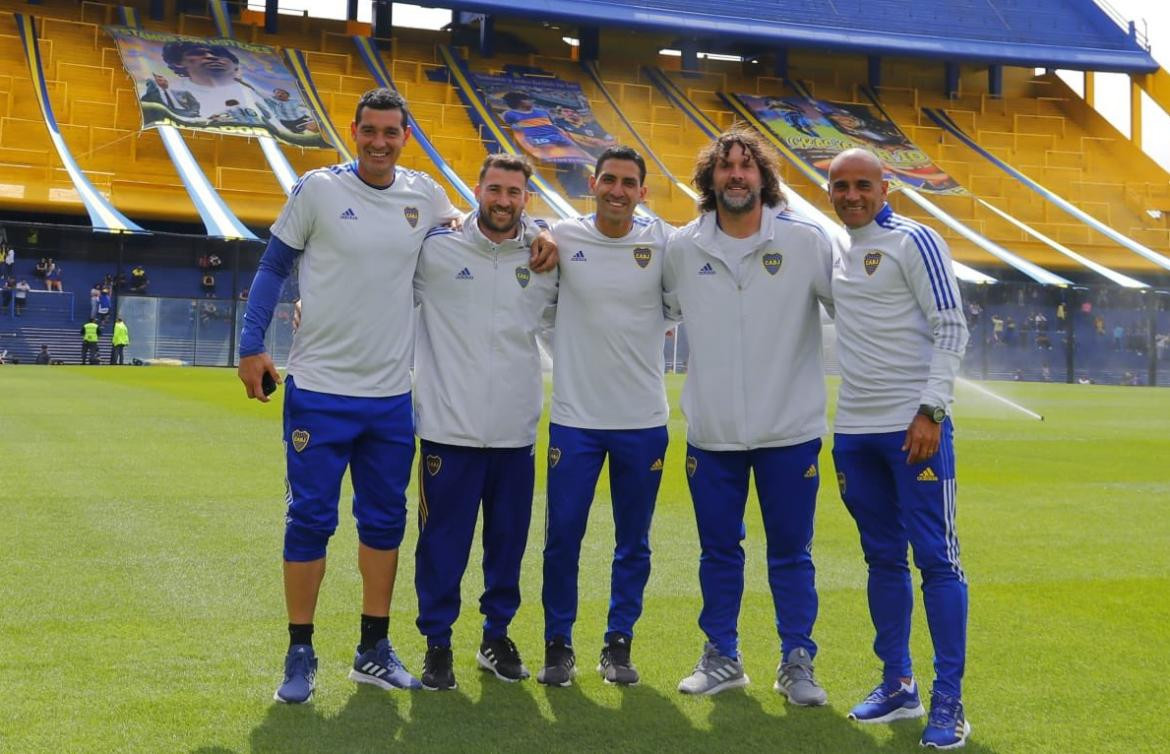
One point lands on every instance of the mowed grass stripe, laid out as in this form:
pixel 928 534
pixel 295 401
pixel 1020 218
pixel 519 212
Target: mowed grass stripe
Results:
pixel 142 605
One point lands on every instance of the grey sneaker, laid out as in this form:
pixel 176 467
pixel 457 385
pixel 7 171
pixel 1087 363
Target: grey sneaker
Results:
pixel 714 673
pixel 795 679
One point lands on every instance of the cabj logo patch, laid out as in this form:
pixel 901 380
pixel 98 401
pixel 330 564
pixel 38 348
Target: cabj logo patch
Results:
pixel 300 439
pixel 871 262
pixel 772 262
pixel 434 463
pixel 411 214
pixel 692 464
pixel 642 256
pixel 554 455
pixel 523 276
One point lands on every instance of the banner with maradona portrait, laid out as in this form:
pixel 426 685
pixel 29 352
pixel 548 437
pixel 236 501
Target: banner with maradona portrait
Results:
pixel 816 131
pixel 215 84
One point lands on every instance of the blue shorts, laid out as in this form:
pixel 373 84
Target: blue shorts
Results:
pixel 324 434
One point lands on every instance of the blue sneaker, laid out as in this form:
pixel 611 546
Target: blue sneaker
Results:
pixel 891 700
pixel 381 667
pixel 947 727
pixel 300 673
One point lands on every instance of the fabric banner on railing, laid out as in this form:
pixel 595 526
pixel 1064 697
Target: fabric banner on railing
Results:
pixel 215 84
pixel 550 118
pixel 817 130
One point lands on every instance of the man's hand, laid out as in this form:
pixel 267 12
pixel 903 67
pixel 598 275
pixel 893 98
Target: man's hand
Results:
pixel 921 440
pixel 251 372
pixel 544 253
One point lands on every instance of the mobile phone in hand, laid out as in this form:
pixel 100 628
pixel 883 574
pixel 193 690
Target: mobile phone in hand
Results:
pixel 268 383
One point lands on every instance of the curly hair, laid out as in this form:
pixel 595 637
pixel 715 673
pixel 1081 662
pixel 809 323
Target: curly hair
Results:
pixel 761 154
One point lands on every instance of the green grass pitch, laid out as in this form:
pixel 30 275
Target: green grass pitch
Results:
pixel 141 607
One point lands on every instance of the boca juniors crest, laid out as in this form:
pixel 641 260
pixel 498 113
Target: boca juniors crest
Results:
pixel 554 455
pixel 300 439
pixel 434 463
pixel 642 256
pixel 411 214
pixel 772 262
pixel 871 262
pixel 692 465
pixel 523 276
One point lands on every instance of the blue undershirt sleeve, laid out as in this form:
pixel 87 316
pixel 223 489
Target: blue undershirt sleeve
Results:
pixel 275 266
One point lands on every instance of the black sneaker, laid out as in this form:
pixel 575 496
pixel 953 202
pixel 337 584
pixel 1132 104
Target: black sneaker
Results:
pixel 615 665
pixel 501 657
pixel 438 674
pixel 560 665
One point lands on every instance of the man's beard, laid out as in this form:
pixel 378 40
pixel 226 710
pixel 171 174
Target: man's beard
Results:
pixel 738 206
pixel 490 222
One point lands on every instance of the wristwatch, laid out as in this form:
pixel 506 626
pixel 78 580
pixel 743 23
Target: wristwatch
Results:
pixel 935 413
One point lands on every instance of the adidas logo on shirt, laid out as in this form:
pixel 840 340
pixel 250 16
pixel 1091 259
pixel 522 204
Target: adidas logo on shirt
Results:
pixel 465 274
pixel 927 475
pixel 707 269
pixel 349 214
pixel 578 257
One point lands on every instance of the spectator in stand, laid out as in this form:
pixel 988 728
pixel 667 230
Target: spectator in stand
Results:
pixel 138 279
pixel 21 296
pixel 95 295
pixel 1009 331
pixel 1118 337
pixel 1061 315
pixel 996 328
pixel 53 283
pixel 214 262
pixel 103 307
pixel 1046 373
pixel 42 268
pixel 208 285
pixel 9 258
pixel 1099 324
pixel 6 292
pixel 43 357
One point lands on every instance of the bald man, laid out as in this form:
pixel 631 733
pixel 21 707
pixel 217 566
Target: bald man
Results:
pixel 900 337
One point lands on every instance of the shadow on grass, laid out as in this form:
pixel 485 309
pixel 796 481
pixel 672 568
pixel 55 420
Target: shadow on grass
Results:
pixel 508 717
pixel 369 721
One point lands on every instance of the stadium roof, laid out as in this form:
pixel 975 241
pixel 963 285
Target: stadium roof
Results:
pixel 1074 34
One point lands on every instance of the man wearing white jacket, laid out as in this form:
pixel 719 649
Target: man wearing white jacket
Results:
pixel 747 275
pixel 901 334
pixel 478 396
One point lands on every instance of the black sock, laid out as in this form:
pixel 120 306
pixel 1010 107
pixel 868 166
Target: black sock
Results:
pixel 300 633
pixel 374 629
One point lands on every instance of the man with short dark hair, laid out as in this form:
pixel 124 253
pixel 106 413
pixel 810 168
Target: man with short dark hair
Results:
pixel 347 401
pixel 608 401
pixel 901 334
pixel 478 396
pixel 748 276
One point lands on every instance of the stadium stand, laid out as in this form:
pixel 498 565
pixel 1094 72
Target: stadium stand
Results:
pixel 953 56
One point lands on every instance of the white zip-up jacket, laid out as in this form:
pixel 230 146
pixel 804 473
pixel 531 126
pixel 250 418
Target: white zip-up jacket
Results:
pixel 755 376
pixel 901 331
pixel 478 380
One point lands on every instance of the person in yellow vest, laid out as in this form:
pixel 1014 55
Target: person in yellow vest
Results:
pixel 89 342
pixel 119 342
